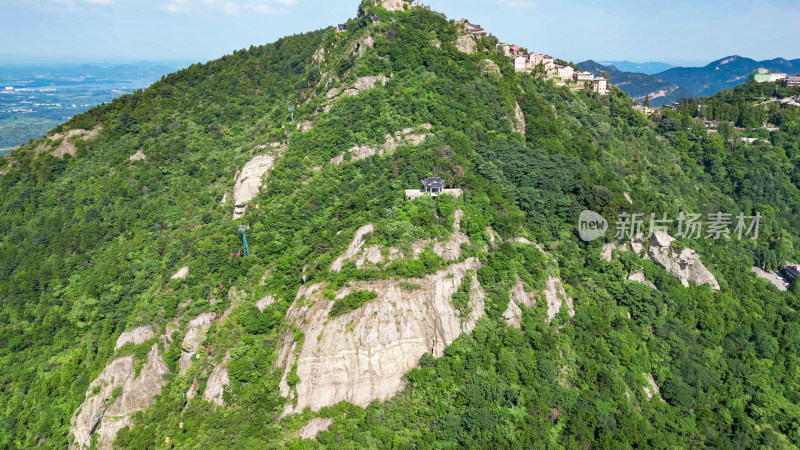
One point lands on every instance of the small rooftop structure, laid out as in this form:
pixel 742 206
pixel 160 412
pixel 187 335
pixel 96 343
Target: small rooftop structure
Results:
pixel 341 28
pixel 791 271
pixel 474 28
pixel 792 80
pixel 433 186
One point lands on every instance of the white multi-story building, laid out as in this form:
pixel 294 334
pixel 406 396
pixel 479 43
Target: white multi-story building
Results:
pixel 520 63
pixel 600 85
pixel 777 76
pixel 565 72
pixel 584 76
pixel 535 58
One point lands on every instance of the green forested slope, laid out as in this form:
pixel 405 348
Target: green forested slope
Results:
pixel 89 242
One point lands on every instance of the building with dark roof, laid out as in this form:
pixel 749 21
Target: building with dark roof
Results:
pixel 433 186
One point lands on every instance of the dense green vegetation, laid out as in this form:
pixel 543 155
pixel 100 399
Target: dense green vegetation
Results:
pixel 89 242
pixel 15 130
pixel 350 302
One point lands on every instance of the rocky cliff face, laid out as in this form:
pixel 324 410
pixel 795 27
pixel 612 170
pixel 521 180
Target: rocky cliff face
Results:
pixel 114 396
pixel 513 314
pixel 196 331
pixel 362 355
pixel 392 5
pixel 215 386
pixel 406 136
pixel 248 182
pixel 449 250
pixel 66 146
pixel 685 266
pixel 136 336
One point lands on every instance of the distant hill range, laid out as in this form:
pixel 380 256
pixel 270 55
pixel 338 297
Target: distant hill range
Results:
pixel 681 82
pixel 724 73
pixel 639 85
pixel 648 68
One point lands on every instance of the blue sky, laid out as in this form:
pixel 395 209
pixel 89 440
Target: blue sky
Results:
pixel 688 32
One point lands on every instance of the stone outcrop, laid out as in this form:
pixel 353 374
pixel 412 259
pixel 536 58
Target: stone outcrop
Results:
pixel 366 41
pixel 364 84
pixel 465 41
pixel 181 274
pixel 196 331
pixel 556 296
pixel 513 314
pixel 451 250
pixel 263 303
pixel 359 85
pixel 105 414
pixel 319 56
pixel 518 123
pixel 248 182
pixel 138 156
pixel 136 336
pixel 652 389
pixel 67 146
pixel 362 355
pixel 353 248
pixel 489 67
pixel 304 126
pixel 608 250
pixel 215 386
pixel 685 267
pixel 639 277
pixel 314 427
pixel 373 255
pixel 392 5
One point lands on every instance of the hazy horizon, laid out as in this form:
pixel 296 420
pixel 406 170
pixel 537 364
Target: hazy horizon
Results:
pixel 109 31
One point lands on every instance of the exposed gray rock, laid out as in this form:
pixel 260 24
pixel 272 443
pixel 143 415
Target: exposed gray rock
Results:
pixel 181 274
pixel 249 182
pixel 106 415
pixel 451 250
pixel 465 42
pixel 518 123
pixel 313 427
pixel 215 386
pixel 489 67
pixel 556 296
pixel 136 336
pixel 362 355
pixel 639 277
pixel 138 156
pixel 651 390
pixel 265 302
pixel 685 266
pixel 365 83
pixel 353 248
pixel 392 5
pixel 67 147
pixel 196 331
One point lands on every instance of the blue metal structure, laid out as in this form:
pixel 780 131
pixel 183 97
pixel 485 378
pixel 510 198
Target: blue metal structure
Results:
pixel 291 110
pixel 246 250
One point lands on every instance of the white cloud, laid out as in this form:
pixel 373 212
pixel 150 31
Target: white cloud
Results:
pixel 261 8
pixel 518 4
pixel 227 7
